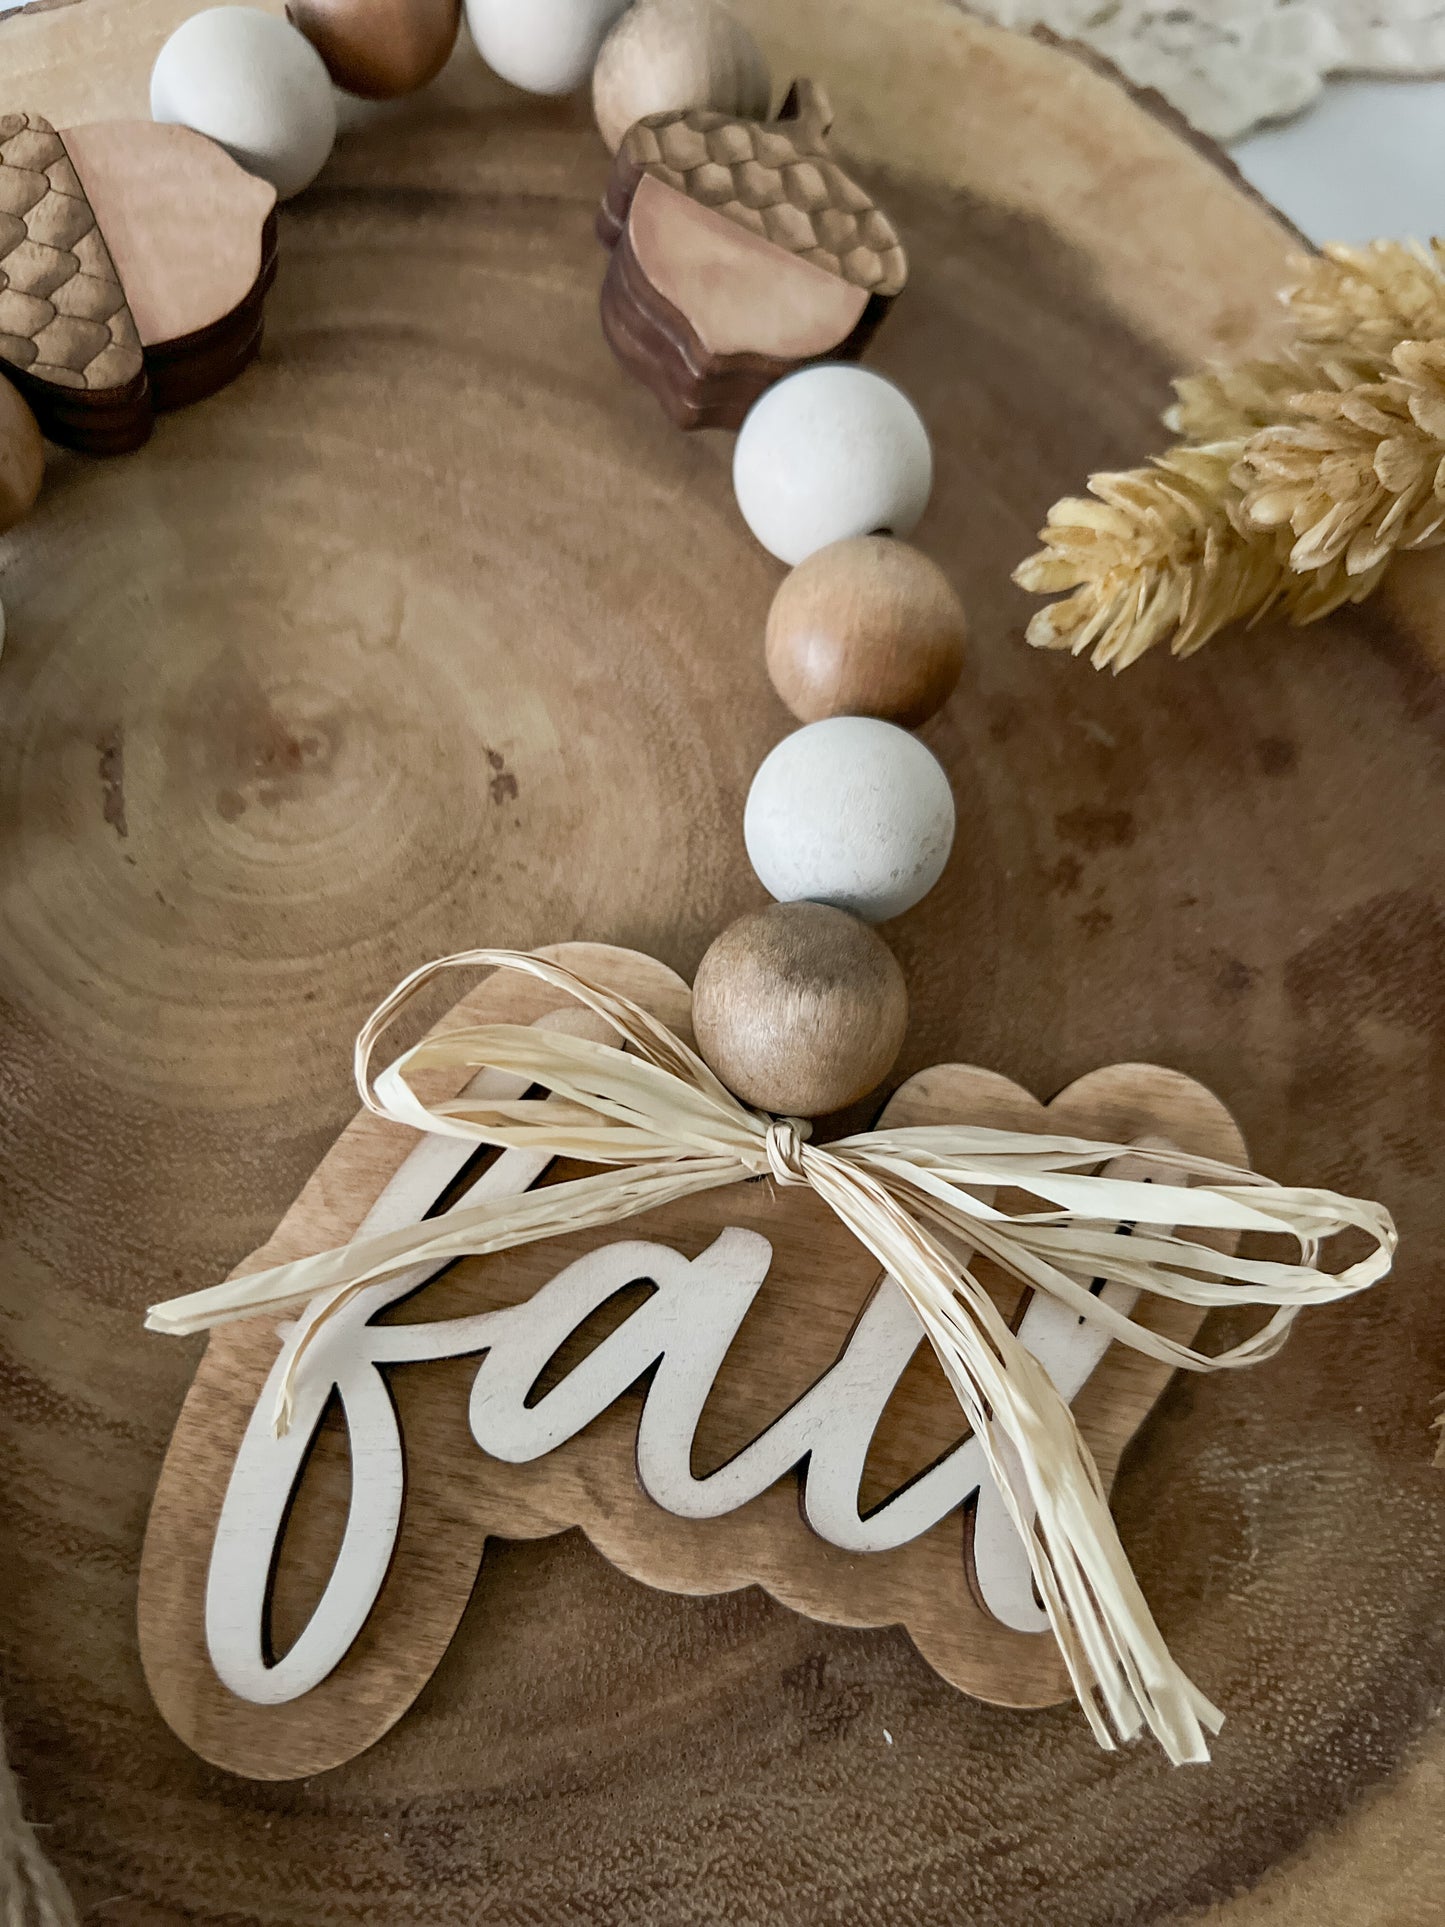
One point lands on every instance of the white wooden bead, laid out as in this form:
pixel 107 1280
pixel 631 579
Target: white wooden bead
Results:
pixel 829 452
pixel 546 46
pixel 853 812
pixel 251 82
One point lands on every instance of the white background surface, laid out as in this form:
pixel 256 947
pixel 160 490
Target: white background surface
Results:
pixel 1367 159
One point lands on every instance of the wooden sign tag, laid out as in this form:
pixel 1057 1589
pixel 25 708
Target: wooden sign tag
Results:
pixel 720 1393
pixel 740 250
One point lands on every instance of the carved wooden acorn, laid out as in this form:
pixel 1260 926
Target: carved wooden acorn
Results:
pixel 134 261
pixel 740 249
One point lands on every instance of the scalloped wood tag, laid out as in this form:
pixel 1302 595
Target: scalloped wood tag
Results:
pixel 721 1393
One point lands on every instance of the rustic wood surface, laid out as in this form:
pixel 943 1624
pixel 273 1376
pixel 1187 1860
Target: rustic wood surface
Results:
pixel 429 631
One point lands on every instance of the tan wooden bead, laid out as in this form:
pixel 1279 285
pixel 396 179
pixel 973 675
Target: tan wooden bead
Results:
pixel 666 54
pixel 799 1008
pixel 22 457
pixel 380 49
pixel 866 627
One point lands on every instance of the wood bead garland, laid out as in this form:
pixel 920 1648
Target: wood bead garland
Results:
pixel 664 54
pixel 22 459
pixel 255 85
pixel 829 452
pixel 853 812
pixel 379 49
pixel 866 627
pixel 799 1009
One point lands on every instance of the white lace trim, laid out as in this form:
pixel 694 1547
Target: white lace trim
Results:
pixel 1230 64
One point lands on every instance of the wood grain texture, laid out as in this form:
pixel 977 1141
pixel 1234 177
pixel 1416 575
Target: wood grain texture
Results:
pixel 458 1499
pixel 306 692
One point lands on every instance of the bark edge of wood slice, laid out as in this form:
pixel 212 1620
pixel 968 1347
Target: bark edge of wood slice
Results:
pixel 224 654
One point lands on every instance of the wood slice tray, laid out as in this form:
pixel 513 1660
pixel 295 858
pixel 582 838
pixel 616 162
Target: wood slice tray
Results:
pixel 432 632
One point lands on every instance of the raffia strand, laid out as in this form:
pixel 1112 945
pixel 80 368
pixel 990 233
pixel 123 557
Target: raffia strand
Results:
pixel 662 1127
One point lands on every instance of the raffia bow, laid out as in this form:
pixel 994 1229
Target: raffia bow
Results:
pixel 660 1115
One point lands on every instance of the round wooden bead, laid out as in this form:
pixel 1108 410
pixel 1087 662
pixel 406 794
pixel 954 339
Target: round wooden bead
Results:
pixel 546 46
pixel 799 1009
pixel 829 452
pixel 379 49
pixel 22 457
pixel 866 627
pixel 852 812
pixel 253 84
pixel 666 54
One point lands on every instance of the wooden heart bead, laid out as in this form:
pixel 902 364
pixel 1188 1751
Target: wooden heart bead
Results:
pixel 380 49
pixel 865 627
pixel 799 1009
pixel 668 54
pixel 740 249
pixel 22 459
pixel 67 336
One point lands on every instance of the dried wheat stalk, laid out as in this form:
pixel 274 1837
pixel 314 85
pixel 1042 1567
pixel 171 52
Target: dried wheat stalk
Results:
pixel 1296 479
pixel 1370 299
pixel 1159 555
pixel 1358 475
pixel 1231 404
